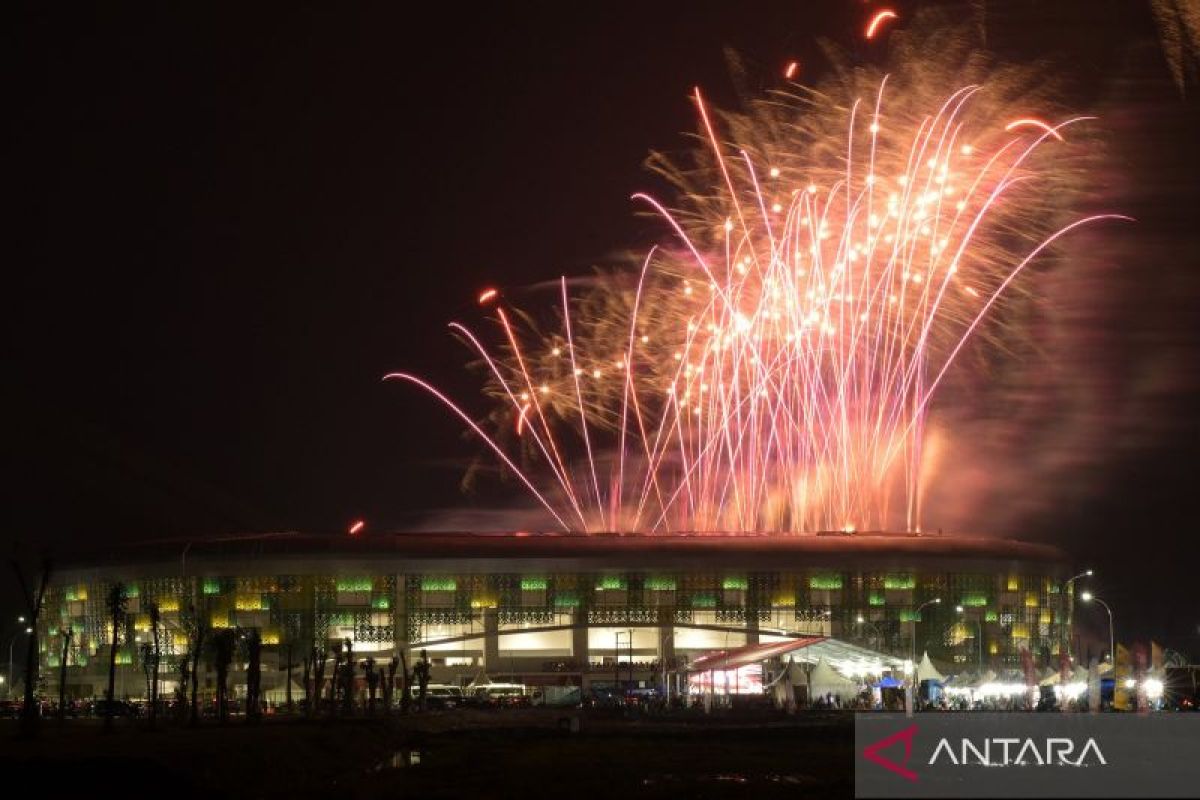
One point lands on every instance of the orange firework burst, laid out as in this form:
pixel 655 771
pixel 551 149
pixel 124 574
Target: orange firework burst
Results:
pixel 771 365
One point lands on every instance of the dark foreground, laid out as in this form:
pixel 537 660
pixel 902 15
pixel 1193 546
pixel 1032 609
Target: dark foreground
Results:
pixel 455 754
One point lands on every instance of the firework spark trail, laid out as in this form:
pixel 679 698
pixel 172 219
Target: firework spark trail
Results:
pixel 775 371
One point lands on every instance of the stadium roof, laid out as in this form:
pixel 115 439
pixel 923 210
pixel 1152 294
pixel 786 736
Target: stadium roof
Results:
pixel 515 550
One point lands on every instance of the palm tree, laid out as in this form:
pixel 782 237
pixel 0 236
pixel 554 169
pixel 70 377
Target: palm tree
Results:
pixel 198 628
pixel 146 658
pixel 65 633
pixel 318 684
pixel 389 684
pixel 372 676
pixel 155 659
pixel 253 676
pixel 223 645
pixel 116 602
pixel 405 682
pixel 421 676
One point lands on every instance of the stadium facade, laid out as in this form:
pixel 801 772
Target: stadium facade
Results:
pixel 555 609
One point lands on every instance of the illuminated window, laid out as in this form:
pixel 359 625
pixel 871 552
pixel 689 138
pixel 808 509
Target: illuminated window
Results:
pixel 248 602
pixel 566 600
pixel 359 584
pixel 660 584
pixel 734 583
pixel 825 580
pixel 438 584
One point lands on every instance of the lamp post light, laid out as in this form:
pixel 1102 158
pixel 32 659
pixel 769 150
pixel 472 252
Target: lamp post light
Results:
pixel 1088 597
pixel 912 642
pixel 861 620
pixel 1069 599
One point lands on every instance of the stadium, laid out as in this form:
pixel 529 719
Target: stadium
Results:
pixel 559 610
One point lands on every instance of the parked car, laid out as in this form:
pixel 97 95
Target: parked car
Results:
pixel 438 695
pixel 500 695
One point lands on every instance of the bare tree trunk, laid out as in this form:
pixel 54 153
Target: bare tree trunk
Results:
pixel 196 675
pixel 288 685
pixel 115 597
pixel 405 694
pixel 33 610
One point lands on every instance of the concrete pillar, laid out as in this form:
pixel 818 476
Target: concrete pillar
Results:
pixel 751 626
pixel 666 648
pixel 491 639
pixel 400 616
pixel 579 638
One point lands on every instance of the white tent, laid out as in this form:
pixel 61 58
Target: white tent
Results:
pixel 795 673
pixel 825 680
pixel 926 671
pixel 782 690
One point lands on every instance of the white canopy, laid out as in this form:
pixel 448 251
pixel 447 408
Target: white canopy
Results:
pixel 824 680
pixel 926 671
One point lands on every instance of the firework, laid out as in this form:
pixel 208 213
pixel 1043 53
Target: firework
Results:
pixel 770 367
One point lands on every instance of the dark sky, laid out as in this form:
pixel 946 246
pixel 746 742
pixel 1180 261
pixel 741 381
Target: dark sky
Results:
pixel 231 221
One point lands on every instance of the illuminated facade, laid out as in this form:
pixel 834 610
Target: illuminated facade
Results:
pixel 555 609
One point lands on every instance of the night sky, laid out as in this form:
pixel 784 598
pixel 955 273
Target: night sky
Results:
pixel 232 221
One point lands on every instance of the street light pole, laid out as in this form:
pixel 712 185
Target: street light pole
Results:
pixel 630 657
pixel 908 694
pixel 1088 597
pixel 11 642
pixel 1069 598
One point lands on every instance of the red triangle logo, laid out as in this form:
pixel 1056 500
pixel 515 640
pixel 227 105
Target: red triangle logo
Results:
pixel 871 752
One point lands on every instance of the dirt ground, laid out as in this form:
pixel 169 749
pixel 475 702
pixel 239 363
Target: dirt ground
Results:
pixel 513 753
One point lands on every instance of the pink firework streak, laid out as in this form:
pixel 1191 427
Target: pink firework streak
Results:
pixel 775 373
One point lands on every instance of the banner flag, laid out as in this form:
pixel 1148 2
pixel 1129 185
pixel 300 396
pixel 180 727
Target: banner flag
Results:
pixel 1122 672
